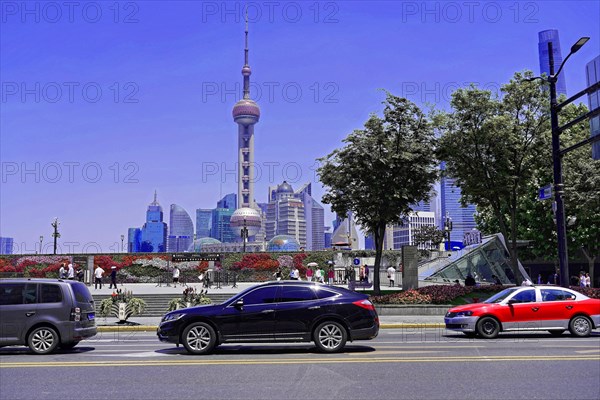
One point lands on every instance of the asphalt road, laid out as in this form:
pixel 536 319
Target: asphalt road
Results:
pixel 399 364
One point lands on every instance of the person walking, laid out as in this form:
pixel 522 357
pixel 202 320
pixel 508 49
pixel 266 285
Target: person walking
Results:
pixel 391 274
pixel 330 276
pixel 366 273
pixel 70 272
pixel 79 274
pixel 588 280
pixel 98 272
pixel 309 274
pixel 175 276
pixel 582 279
pixel 278 275
pixel 62 272
pixel 113 277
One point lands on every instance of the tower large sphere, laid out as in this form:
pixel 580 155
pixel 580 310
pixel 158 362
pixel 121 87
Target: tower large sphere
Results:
pixel 252 219
pixel 246 112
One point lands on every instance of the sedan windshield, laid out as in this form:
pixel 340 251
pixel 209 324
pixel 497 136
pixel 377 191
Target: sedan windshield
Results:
pixel 498 297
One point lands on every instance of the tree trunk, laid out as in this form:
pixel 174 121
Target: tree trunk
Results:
pixel 379 236
pixel 590 260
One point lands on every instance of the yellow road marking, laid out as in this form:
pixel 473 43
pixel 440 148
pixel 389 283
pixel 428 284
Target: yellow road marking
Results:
pixel 148 363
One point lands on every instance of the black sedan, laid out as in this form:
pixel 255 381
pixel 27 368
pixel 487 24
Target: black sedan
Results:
pixel 283 311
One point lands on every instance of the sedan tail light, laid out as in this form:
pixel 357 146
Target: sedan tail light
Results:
pixel 366 304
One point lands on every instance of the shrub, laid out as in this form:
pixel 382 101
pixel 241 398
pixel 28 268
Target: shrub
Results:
pixel 406 297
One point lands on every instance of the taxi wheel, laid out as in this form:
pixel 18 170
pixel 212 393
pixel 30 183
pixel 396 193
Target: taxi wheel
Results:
pixel 580 326
pixel 488 327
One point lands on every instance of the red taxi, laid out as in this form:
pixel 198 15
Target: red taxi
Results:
pixel 527 308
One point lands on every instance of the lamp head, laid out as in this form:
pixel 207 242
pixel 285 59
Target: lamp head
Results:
pixel 579 44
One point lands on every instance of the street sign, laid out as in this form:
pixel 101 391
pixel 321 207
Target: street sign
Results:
pixel 357 261
pixel 545 193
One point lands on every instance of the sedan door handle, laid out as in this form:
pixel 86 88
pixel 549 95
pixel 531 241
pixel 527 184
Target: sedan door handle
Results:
pixel 314 307
pixel 568 307
pixel 30 313
pixel 535 308
pixel 267 311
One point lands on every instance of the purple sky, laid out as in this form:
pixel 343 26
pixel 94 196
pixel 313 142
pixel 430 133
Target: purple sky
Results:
pixel 102 105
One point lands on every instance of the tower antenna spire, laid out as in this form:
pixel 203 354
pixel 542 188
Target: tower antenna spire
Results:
pixel 246 69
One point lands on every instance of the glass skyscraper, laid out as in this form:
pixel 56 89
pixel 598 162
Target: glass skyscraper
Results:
pixel 134 240
pixel 154 231
pixel 551 35
pixel 463 218
pixel 6 245
pixel 314 214
pixel 229 201
pixel 221 225
pixel 203 222
pixel 181 230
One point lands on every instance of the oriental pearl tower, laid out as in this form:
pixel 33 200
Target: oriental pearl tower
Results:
pixel 246 113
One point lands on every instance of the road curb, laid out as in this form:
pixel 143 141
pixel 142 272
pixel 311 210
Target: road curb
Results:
pixel 152 328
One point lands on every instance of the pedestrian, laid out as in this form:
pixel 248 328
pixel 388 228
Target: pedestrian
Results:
pixel 391 274
pixel 318 275
pixel 322 280
pixel 175 276
pixel 113 277
pixel 70 272
pixel 361 273
pixel 555 279
pixel 309 274
pixel 79 274
pixel 588 280
pixel 497 280
pixel 582 279
pixel 278 275
pixel 98 272
pixel 330 276
pixel 294 273
pixel 470 281
pixel 366 273
pixel 62 272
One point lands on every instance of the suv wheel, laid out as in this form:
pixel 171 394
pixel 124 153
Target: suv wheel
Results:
pixel 42 340
pixel 580 326
pixel 330 337
pixel 488 327
pixel 199 338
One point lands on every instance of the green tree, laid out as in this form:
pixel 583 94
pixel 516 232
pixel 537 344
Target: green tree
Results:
pixel 428 235
pixel 493 147
pixel 382 170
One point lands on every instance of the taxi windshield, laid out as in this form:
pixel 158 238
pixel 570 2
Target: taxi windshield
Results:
pixel 498 297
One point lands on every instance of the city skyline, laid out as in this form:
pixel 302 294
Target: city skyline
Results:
pixel 169 80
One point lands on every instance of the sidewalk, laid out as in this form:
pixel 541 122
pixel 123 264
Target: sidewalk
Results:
pixel 109 324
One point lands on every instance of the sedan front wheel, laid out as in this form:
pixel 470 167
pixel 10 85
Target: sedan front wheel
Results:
pixel 330 337
pixel 199 338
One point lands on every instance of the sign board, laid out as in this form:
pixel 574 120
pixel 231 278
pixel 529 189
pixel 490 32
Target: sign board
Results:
pixel 545 193
pixel 195 257
pixel 471 237
pixel 357 261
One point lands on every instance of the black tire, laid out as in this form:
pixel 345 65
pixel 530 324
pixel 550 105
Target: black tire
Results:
pixel 580 326
pixel 556 332
pixel 470 334
pixel 199 338
pixel 488 327
pixel 330 337
pixel 68 346
pixel 43 340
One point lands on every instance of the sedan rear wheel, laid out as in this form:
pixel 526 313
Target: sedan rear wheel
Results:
pixel 488 327
pixel 199 338
pixel 580 326
pixel 43 340
pixel 330 337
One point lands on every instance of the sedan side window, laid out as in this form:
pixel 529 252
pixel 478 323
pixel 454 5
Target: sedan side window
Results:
pixel 296 293
pixel 556 295
pixel 526 296
pixel 265 295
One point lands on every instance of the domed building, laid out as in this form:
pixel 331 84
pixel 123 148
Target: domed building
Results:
pixel 248 217
pixel 285 214
pixel 283 243
pixel 198 244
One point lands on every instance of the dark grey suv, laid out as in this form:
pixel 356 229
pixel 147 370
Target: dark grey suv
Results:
pixel 45 313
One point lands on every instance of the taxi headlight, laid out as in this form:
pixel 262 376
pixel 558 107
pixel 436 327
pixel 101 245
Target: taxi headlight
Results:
pixel 464 313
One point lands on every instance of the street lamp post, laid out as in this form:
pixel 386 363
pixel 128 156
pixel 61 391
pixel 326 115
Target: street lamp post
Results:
pixel 41 243
pixel 55 234
pixel 447 230
pixel 563 256
pixel 122 239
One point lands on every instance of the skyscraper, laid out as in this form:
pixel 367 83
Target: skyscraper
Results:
pixel 181 230
pixel 545 37
pixel 463 218
pixel 285 215
pixel 592 72
pixel 154 231
pixel 6 245
pixel 228 201
pixel 246 113
pixel 203 222
pixel 221 225
pixel 314 214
